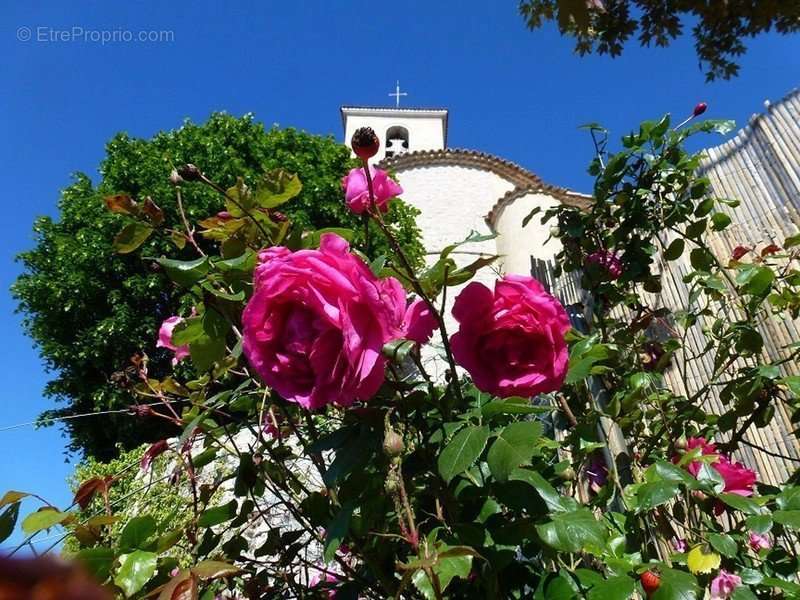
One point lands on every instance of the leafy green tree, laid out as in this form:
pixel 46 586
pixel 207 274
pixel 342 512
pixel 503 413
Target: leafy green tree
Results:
pixel 89 309
pixel 718 27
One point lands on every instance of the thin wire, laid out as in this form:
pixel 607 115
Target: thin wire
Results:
pixel 48 421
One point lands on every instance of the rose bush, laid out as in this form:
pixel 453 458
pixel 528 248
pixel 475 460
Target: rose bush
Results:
pixel 319 458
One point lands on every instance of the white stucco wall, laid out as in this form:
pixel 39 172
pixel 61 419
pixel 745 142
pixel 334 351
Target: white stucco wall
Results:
pixel 426 128
pixel 517 244
pixel 454 200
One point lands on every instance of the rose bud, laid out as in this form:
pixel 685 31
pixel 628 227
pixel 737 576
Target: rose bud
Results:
pixel 555 231
pixel 174 178
pixel 189 172
pixel 365 143
pixel 392 443
pixel 681 443
pixel 278 216
pixel 650 582
pixel 699 109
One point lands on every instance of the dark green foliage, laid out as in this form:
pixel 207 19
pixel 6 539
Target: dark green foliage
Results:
pixel 718 28
pixel 89 309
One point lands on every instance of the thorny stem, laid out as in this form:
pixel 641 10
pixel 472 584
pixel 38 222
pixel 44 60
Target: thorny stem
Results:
pixel 189 230
pixel 412 277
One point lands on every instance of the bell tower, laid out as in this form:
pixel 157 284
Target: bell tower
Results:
pixel 399 129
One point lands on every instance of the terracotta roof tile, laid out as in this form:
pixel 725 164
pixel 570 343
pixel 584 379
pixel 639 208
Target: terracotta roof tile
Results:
pixel 525 182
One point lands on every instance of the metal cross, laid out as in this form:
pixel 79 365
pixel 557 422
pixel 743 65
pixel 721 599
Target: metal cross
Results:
pixel 398 93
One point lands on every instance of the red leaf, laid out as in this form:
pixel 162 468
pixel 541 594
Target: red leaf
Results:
pixel 771 249
pixel 152 452
pixel 122 203
pixel 87 490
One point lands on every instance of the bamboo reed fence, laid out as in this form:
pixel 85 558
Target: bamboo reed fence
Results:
pixel 760 167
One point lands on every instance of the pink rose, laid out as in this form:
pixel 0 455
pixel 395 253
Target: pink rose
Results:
pixel 511 341
pixel 419 322
pixel 325 579
pixel 165 339
pixel 738 478
pixel 758 541
pixel 356 189
pixel 723 584
pixel 317 322
pixel 607 261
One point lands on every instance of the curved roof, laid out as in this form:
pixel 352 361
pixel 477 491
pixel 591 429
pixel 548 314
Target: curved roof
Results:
pixel 524 181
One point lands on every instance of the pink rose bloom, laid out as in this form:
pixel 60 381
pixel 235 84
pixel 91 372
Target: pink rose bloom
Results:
pixel 608 261
pixel 723 584
pixel 511 341
pixel 419 322
pixel 325 579
pixel 317 322
pixel 759 541
pixel 165 339
pixel 738 478
pixel 356 189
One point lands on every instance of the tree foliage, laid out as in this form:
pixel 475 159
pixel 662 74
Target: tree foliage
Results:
pixel 719 27
pixel 89 309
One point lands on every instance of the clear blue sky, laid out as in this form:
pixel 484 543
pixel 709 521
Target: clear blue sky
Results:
pixel 511 92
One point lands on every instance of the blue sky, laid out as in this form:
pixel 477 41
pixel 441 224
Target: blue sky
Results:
pixel 511 92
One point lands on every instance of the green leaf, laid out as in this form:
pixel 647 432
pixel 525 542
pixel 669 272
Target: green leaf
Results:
pixel 720 221
pixel 676 585
pixel 131 237
pixel 787 518
pixel 701 259
pixel 185 272
pixel 724 544
pixel 187 331
pixel 746 505
pixel 43 519
pixel 136 533
pixel 463 450
pixel 136 569
pixel 613 588
pixel 337 531
pixel 759 523
pixel 655 493
pixel 789 498
pixel 675 249
pixel 217 515
pixel 8 520
pixel 554 502
pixel 446 569
pixel 573 531
pixel 214 569
pixel 205 351
pixel 277 187
pixel 97 561
pixel 513 447
pixel 743 593
pixel 512 406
